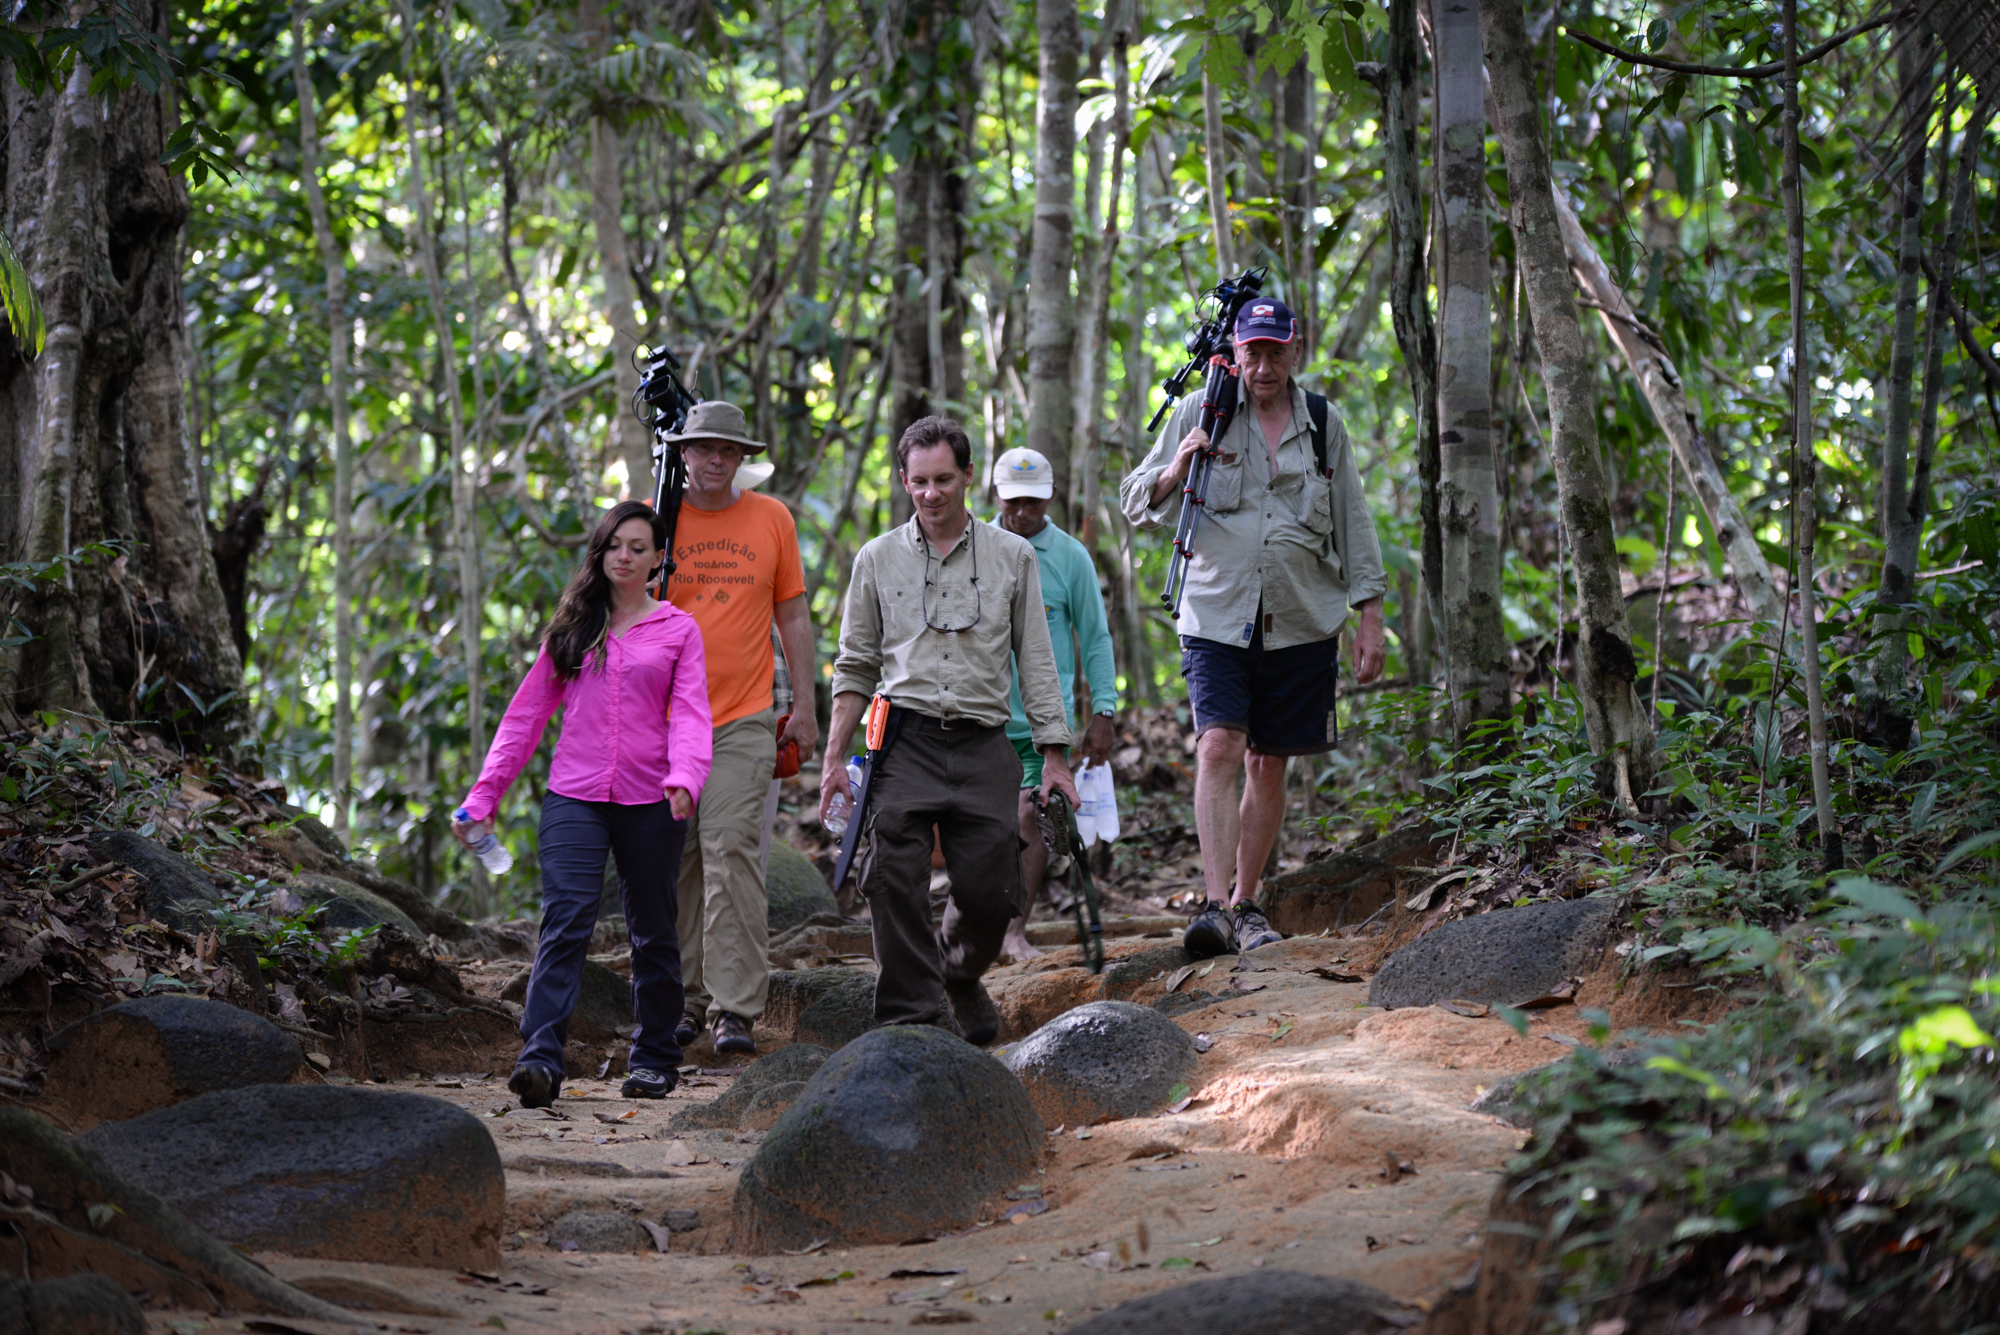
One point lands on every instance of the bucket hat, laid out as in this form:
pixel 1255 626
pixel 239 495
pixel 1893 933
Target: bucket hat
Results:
pixel 712 419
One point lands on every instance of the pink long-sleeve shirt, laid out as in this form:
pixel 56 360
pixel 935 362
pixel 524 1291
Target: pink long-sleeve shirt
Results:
pixel 632 731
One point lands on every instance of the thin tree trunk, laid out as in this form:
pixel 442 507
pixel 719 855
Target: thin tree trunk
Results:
pixel 1805 509
pixel 1665 392
pixel 337 328
pixel 1410 311
pixel 1216 149
pixel 465 523
pixel 1051 308
pixel 1476 649
pixel 1614 718
pixel 1097 314
pixel 607 220
pixel 1882 684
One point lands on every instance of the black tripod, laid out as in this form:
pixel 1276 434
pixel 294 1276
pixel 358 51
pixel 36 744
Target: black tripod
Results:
pixel 662 402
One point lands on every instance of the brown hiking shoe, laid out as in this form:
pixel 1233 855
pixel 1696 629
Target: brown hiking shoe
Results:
pixel 732 1034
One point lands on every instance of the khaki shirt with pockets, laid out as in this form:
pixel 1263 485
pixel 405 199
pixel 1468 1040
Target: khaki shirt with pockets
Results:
pixel 900 590
pixel 1295 547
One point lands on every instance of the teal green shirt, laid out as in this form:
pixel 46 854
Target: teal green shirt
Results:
pixel 1073 603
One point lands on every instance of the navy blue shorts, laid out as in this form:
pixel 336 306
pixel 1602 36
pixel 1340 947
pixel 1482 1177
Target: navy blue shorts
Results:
pixel 1282 698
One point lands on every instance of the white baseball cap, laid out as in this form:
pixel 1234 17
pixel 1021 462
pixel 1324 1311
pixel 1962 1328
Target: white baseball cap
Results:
pixel 1024 472
pixel 753 473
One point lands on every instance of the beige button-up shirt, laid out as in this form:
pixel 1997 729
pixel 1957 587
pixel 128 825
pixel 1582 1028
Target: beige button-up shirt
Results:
pixel 1293 546
pixel 942 637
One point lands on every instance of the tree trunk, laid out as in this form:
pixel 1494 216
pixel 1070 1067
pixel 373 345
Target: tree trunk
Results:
pixel 337 328
pixel 1665 392
pixel 1216 150
pixel 607 220
pixel 1093 354
pixel 1883 684
pixel 1805 469
pixel 1476 649
pixel 465 521
pixel 1614 719
pixel 1051 307
pixel 95 430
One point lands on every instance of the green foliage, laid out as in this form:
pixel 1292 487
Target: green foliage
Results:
pixel 17 298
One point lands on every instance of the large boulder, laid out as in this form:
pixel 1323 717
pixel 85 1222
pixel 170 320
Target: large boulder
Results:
pixel 139 1056
pixel 348 906
pixel 603 1005
pixel 177 892
pixel 322 1171
pixel 789 1065
pixel 73 1305
pixel 831 1006
pixel 904 1133
pixel 1510 956
pixel 794 890
pixel 88 1221
pixel 1102 1062
pixel 1270 1302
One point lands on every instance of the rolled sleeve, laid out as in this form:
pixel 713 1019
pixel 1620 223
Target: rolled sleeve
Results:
pixel 1135 492
pixel 1041 687
pixel 857 666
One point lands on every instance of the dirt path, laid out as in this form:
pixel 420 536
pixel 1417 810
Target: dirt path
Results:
pixel 1325 1136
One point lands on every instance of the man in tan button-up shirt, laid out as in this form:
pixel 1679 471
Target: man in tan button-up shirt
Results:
pixel 1285 548
pixel 938 613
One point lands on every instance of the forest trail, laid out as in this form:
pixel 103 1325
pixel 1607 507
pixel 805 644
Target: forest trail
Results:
pixel 1324 1135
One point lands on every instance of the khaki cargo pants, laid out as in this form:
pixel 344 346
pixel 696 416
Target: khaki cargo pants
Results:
pixel 725 940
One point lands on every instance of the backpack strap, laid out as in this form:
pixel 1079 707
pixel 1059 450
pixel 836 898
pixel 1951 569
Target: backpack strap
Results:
pixel 1316 410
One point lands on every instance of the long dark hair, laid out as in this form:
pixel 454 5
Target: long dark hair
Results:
pixel 576 632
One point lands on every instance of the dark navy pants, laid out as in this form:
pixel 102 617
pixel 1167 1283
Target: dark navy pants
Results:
pixel 646 840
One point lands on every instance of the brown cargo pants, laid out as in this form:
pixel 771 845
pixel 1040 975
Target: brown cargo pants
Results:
pixel 964 780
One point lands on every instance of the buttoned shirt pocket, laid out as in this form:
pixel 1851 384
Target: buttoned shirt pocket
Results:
pixel 1225 486
pixel 1317 510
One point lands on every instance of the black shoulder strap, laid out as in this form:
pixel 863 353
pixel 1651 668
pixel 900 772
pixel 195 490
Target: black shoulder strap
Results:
pixel 1316 409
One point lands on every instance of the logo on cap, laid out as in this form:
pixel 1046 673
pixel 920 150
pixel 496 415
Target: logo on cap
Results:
pixel 1261 310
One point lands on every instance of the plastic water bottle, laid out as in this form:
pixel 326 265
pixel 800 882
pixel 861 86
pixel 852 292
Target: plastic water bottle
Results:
pixel 1107 803
pixel 487 848
pixel 841 808
pixel 1086 806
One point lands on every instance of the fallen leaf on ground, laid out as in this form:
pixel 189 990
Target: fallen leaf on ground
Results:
pixel 1563 994
pixel 659 1234
pixel 926 1274
pixel 1023 1210
pixel 818 1280
pixel 1202 1042
pixel 808 1249
pixel 1179 976
pixel 1472 1010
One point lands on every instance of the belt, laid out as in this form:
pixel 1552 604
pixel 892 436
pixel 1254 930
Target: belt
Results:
pixel 965 725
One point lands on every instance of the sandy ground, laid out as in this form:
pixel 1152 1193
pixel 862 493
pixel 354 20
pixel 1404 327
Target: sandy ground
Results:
pixel 1324 1136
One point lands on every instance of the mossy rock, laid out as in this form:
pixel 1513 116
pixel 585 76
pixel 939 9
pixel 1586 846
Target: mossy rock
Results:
pixel 794 889
pixel 349 906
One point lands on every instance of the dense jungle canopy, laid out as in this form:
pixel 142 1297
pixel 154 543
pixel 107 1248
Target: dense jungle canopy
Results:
pixel 330 543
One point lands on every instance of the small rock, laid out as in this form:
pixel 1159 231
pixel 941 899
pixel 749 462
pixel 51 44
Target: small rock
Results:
pixel 905 1132
pixel 73 1305
pixel 1125 977
pixel 682 1221
pixel 1107 1060
pixel 789 1065
pixel 793 889
pixel 603 1006
pixel 1270 1302
pixel 1509 956
pixel 322 1171
pixel 598 1231
pixel 153 1052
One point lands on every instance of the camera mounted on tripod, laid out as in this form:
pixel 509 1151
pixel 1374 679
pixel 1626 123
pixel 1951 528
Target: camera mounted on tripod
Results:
pixel 1213 332
pixel 663 402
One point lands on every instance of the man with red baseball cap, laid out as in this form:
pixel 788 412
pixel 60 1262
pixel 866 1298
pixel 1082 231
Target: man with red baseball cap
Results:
pixel 1285 549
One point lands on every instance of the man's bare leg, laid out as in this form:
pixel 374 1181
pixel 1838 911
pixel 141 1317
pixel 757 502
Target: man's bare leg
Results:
pixel 1034 871
pixel 1262 813
pixel 1219 810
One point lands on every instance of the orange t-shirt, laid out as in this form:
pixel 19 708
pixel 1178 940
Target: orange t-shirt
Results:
pixel 732 568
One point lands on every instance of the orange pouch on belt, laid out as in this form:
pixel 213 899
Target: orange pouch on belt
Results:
pixel 878 722
pixel 788 753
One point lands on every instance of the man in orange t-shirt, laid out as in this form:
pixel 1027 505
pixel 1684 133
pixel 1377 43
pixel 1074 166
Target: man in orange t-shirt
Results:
pixel 737 571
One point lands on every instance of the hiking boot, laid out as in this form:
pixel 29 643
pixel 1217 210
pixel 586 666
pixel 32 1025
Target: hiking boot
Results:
pixel 1253 929
pixel 732 1034
pixel 978 1020
pixel 1210 932
pixel 689 1029
pixel 536 1085
pixel 642 1083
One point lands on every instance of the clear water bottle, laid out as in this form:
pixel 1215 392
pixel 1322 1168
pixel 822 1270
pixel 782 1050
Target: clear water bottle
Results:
pixel 1107 803
pixel 841 808
pixel 1086 806
pixel 487 848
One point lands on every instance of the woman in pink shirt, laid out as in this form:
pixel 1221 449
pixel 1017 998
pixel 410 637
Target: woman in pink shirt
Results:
pixel 634 752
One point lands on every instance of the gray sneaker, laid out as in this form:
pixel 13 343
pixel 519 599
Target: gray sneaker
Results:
pixel 1210 932
pixel 1253 929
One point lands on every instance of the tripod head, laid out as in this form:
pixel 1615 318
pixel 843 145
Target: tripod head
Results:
pixel 1213 331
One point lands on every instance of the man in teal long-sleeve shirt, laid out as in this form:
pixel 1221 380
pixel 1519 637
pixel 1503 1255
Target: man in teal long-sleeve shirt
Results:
pixel 1025 483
